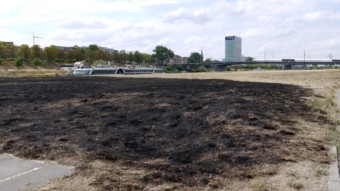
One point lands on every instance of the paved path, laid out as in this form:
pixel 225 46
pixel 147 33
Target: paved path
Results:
pixel 16 173
pixel 334 179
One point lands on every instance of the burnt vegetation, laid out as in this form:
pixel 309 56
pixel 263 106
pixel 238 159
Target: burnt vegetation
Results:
pixel 177 131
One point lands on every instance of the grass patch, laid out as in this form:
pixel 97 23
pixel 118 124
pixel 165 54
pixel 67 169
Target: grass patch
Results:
pixel 260 185
pixel 295 184
pixel 31 73
pixel 325 105
pixel 321 172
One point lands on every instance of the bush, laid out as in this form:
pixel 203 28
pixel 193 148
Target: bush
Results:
pixel 260 66
pixel 173 68
pixel 179 68
pixel 37 62
pixel 0 61
pixel 71 61
pixel 19 62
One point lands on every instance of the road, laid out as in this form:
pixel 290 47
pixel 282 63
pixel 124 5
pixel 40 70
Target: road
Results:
pixel 16 173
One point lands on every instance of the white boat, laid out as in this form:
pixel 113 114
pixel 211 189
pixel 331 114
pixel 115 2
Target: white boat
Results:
pixel 115 70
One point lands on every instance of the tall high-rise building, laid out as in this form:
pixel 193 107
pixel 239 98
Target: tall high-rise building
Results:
pixel 233 49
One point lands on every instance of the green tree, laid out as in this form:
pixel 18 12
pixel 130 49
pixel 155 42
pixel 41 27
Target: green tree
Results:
pixel 100 55
pixel 249 59
pixel 93 47
pixel 163 54
pixel 110 56
pixel 107 55
pixel 90 56
pixel 80 54
pixel 0 61
pixel 60 55
pixel 124 57
pixel 195 57
pixel 7 50
pixel 37 62
pixel 70 55
pixel 2 51
pixel 19 62
pixel 90 53
pixel 51 53
pixel 73 55
pixel 130 57
pixel 120 58
pixel 147 58
pixel 138 57
pixel 10 51
pixel 117 58
pixel 208 60
pixel 37 52
pixel 24 52
pixel 173 68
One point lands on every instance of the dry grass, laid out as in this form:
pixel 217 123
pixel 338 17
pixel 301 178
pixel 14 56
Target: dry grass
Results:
pixel 30 73
pixel 324 83
pixel 317 79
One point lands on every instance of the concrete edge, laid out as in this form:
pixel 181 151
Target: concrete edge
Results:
pixel 333 177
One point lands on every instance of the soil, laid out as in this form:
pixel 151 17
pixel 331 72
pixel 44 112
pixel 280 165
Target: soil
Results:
pixel 157 134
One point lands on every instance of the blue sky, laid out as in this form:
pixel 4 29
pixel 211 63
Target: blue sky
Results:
pixel 269 28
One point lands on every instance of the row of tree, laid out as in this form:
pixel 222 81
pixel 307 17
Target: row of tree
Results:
pixel 161 54
pixel 55 54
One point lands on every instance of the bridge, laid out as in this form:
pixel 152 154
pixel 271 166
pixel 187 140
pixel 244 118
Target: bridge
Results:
pixel 285 63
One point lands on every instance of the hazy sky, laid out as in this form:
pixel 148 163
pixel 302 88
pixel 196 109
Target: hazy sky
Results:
pixel 275 28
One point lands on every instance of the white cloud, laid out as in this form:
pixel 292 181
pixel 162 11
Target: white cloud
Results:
pixel 285 28
pixel 185 15
pixel 254 32
pixel 321 15
pixel 192 39
pixel 318 15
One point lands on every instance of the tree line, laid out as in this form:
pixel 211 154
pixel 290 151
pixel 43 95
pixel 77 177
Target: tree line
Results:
pixel 54 53
pixel 161 55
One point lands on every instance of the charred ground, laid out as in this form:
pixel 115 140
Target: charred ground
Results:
pixel 188 132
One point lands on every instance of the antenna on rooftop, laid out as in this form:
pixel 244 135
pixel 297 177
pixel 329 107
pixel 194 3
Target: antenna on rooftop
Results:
pixel 34 37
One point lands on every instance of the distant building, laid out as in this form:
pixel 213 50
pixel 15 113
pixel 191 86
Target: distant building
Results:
pixel 66 48
pixel 233 49
pixel 6 43
pixel 75 47
pixel 185 60
pixel 178 60
pixel 110 50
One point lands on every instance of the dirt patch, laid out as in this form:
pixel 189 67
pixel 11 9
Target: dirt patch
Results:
pixel 158 134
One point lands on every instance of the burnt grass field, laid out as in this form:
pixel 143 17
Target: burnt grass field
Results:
pixel 190 133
